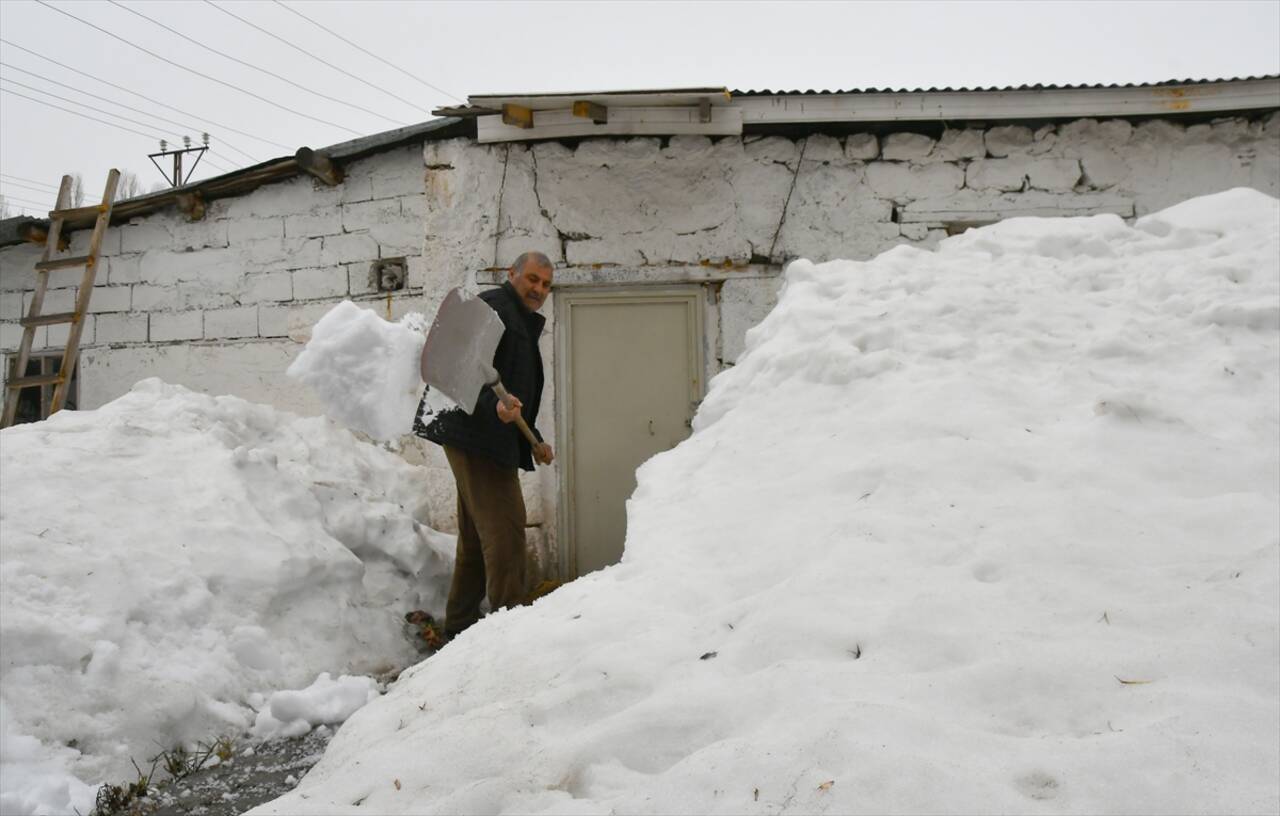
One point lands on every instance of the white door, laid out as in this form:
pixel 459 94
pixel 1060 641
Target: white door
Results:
pixel 630 371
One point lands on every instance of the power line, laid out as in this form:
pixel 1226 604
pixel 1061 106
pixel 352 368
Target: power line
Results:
pixel 302 50
pixel 198 73
pixel 77 113
pixel 31 181
pixel 366 51
pixel 8 197
pixel 81 104
pixel 141 96
pixel 24 186
pixel 120 104
pixel 254 67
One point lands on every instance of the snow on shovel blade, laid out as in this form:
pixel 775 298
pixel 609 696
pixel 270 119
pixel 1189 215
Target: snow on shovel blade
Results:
pixel 457 359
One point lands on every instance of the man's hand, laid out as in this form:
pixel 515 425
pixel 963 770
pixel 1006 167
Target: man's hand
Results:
pixel 509 414
pixel 543 454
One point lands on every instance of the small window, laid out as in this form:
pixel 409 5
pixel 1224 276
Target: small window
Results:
pixel 34 402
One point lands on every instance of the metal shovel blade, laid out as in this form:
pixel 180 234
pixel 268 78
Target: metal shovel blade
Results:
pixel 457 359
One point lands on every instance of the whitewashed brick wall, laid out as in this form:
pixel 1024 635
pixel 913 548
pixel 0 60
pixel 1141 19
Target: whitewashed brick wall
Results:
pixel 244 284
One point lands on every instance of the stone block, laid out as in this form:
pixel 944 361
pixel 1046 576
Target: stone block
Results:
pixel 11 305
pixel 290 253
pixel 151 234
pixel 254 228
pixel 361 215
pixel 354 188
pixel 293 321
pixel 976 206
pixel 149 298
pixel 17 267
pixel 206 233
pixel 110 299
pixel 360 281
pixel 399 174
pixel 403 237
pixel 899 181
pixel 414 208
pixel 59 335
pixel 773 149
pixel 350 248
pixel 417 272
pixel 914 232
pixel 996 174
pixel 268 286
pixel 123 269
pixel 210 266
pixel 1102 168
pixel 310 225
pixel 320 282
pixel 1043 140
pixel 111 241
pixel 123 327
pixel 862 146
pixel 1054 175
pixel 958 144
pixel 295 196
pixel 1008 140
pixel 10 337
pixel 240 321
pixel 906 147
pixel 197 296
pixel 55 300
pixel 822 148
pixel 170 326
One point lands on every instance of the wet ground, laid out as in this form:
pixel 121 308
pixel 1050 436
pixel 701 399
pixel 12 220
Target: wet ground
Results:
pixel 243 782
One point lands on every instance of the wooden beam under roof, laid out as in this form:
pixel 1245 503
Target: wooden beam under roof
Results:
pixel 660 121
pixel 517 116
pixel 314 163
pixel 590 110
pixel 676 97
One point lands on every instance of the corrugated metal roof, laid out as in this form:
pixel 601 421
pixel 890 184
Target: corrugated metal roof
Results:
pixel 1005 88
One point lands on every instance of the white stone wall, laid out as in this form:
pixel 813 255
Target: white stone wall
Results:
pixel 222 305
pixel 730 213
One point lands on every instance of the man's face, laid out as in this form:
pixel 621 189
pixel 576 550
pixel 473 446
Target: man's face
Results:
pixel 532 284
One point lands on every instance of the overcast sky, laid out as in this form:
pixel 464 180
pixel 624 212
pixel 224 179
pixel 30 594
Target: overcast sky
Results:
pixel 441 52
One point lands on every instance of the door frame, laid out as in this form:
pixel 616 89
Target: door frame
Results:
pixel 693 296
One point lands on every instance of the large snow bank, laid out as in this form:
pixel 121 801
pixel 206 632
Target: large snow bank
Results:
pixel 989 529
pixel 167 557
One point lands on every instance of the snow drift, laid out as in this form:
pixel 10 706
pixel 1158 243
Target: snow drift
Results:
pixel 169 558
pixel 988 529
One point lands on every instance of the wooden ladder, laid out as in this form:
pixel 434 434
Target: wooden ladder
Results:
pixel 36 318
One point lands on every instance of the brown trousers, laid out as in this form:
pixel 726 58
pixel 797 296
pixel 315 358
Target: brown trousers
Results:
pixel 491 550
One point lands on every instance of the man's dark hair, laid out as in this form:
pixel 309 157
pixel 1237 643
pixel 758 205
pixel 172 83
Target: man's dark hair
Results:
pixel 535 258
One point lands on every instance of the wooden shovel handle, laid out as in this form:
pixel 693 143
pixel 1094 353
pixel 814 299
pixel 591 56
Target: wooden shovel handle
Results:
pixel 506 400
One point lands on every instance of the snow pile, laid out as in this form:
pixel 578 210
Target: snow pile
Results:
pixel 327 701
pixel 167 556
pixel 988 529
pixel 364 369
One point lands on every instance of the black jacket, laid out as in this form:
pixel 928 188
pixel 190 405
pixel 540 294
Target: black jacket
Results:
pixel 519 364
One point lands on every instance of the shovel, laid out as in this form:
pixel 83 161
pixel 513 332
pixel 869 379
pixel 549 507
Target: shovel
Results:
pixel 457 359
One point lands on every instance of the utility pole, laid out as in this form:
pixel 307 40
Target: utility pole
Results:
pixel 178 179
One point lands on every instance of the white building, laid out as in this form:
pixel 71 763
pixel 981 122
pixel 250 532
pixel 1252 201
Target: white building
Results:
pixel 669 214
